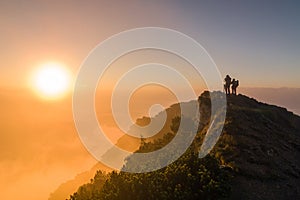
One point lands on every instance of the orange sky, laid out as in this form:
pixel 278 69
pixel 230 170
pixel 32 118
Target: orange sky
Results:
pixel 40 148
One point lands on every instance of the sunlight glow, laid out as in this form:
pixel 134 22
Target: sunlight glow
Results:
pixel 51 81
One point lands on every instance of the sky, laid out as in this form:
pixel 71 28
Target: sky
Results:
pixel 254 41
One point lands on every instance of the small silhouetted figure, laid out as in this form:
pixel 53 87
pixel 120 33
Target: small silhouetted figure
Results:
pixel 227 84
pixel 235 84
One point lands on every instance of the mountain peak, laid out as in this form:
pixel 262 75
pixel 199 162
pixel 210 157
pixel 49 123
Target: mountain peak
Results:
pixel 261 142
pixel 259 145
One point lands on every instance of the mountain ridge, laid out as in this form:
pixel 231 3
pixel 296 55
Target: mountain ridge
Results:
pixel 244 147
pixel 264 147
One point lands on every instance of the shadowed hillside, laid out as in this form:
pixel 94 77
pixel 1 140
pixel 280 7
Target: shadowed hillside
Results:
pixel 262 144
pixel 256 157
pixel 126 142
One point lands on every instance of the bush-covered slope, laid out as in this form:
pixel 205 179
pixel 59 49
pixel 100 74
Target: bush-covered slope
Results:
pixel 256 157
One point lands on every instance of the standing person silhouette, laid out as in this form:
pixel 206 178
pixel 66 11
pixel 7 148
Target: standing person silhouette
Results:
pixel 235 84
pixel 227 84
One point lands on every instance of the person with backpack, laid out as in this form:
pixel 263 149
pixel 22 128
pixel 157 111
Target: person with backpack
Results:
pixel 227 84
pixel 235 84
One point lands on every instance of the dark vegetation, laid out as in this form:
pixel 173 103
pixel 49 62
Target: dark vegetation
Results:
pixel 256 157
pixel 187 178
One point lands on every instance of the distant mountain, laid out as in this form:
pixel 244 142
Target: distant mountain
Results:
pixel 70 186
pixel 259 146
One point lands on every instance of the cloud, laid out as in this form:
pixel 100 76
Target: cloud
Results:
pixel 39 146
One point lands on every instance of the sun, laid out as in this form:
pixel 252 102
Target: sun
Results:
pixel 51 80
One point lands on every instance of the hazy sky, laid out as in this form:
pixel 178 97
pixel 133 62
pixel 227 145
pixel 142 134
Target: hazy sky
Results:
pixel 255 41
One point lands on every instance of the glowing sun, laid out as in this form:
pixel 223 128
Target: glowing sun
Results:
pixel 51 80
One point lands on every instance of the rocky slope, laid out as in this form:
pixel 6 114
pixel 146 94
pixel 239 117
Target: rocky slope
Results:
pixel 262 144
